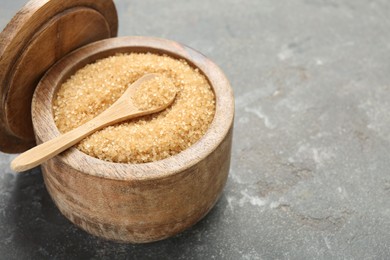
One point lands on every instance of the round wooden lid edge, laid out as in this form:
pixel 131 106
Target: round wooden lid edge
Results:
pixel 40 34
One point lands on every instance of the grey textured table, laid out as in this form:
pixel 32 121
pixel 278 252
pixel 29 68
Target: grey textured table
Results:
pixel 310 174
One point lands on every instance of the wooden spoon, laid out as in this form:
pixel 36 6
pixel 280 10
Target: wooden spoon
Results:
pixel 123 109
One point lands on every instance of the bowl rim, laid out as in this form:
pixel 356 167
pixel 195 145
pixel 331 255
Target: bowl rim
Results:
pixel 45 128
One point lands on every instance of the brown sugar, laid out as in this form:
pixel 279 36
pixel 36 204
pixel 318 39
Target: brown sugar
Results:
pixel 95 87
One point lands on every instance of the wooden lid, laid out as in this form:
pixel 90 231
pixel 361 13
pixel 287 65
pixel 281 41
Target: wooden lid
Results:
pixel 39 35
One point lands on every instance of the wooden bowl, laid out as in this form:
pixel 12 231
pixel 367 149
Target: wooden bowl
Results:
pixel 136 202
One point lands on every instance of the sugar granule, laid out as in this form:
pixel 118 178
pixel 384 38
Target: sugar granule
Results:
pixel 95 87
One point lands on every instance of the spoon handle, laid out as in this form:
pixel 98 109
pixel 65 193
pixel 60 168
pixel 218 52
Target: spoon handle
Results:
pixel 49 149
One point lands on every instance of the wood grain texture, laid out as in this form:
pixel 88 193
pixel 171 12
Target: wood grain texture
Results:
pixel 39 35
pixel 137 202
